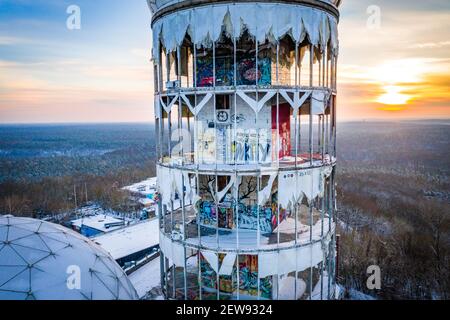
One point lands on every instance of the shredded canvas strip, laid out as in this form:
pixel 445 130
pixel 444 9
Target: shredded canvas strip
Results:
pixel 297 184
pixel 227 264
pixel 212 259
pixel 262 20
pixel 319 101
pixel 172 250
pixel 172 182
pixel 264 194
pixel 289 260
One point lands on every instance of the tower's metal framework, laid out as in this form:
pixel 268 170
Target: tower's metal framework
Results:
pixel 245 109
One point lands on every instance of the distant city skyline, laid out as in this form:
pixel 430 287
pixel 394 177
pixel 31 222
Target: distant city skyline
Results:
pixel 103 73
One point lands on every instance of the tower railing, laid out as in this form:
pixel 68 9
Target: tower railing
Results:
pixel 246 146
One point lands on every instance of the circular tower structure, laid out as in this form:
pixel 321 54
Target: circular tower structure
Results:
pixel 245 109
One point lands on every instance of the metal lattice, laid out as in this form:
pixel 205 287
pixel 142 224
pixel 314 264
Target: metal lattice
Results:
pixel 37 259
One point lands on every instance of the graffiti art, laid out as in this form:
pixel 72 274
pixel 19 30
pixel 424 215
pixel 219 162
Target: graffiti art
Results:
pixel 248 215
pixel 247 73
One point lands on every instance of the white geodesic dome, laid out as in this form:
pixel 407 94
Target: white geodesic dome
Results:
pixel 45 261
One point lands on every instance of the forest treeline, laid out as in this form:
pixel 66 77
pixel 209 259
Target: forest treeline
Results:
pixel 55 195
pixel 390 221
pixel 393 193
pixel 393 197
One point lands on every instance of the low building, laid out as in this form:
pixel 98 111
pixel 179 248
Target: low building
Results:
pixel 94 225
pixel 145 193
pixel 133 243
pixel 146 188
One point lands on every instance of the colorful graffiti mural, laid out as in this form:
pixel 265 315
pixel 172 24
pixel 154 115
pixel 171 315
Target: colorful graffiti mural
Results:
pixel 247 217
pixel 248 278
pixel 208 275
pixel 251 146
pixel 246 71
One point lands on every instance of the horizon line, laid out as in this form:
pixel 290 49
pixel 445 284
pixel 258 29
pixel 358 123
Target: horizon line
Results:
pixel 153 122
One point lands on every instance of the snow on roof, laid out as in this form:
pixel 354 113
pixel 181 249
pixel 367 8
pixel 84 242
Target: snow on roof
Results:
pixel 146 278
pixel 126 241
pixel 99 222
pixel 145 187
pixel 146 202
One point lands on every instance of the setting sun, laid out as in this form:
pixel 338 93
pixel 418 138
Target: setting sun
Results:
pixel 393 96
pixel 393 77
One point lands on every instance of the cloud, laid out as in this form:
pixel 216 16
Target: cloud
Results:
pixel 103 72
pixel 141 53
pixel 8 41
pixel 430 45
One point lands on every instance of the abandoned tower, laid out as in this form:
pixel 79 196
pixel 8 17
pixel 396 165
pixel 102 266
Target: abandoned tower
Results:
pixel 245 110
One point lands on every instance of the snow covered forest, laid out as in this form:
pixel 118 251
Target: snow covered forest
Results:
pixel 393 191
pixel 394 208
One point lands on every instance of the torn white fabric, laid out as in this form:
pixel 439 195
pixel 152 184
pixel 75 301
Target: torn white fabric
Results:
pixel 334 39
pixel 309 181
pixel 264 194
pixel 319 101
pixel 326 171
pixel 267 264
pixel 289 260
pixel 287 286
pixel 212 259
pixel 228 262
pixel 309 256
pixel 294 185
pixel 172 182
pixel 320 293
pixel 289 190
pixel 177 181
pixel 178 254
pixel 324 32
pixel 182 184
pixel 262 20
pixel 163 246
pixel 172 250
pixel 286 261
pixel 157 107
pixel 189 189
pixel 164 184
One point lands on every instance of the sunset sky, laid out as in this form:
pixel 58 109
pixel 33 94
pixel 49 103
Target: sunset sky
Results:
pixel 102 73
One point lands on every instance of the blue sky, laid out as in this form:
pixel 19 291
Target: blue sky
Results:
pixel 95 74
pixel 103 71
pixel 106 24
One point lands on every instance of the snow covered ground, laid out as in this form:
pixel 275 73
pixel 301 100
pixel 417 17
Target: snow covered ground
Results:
pixel 147 278
pixel 125 241
pixel 358 295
